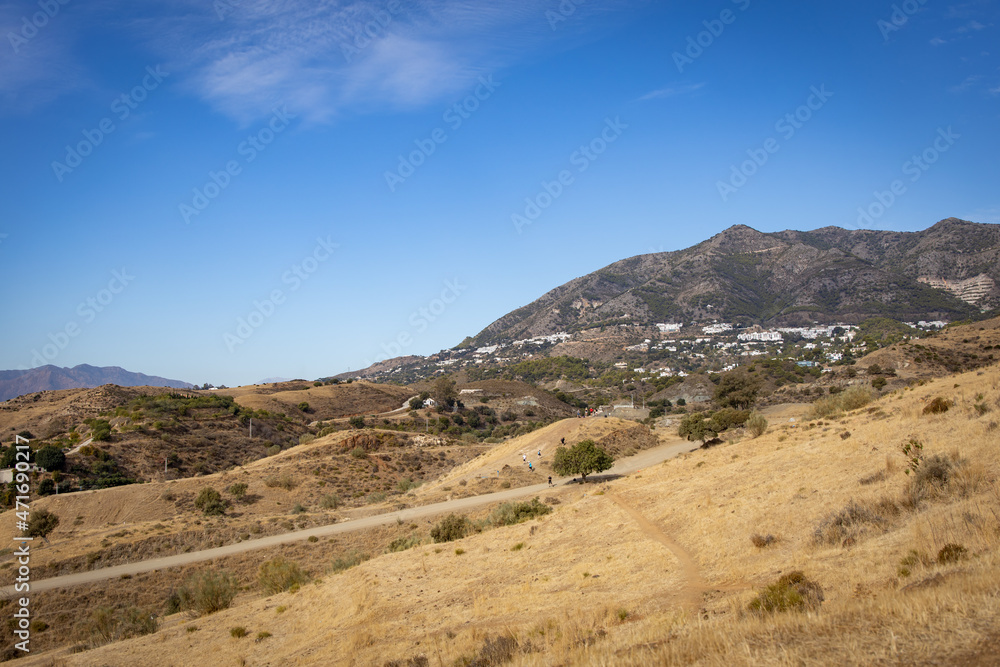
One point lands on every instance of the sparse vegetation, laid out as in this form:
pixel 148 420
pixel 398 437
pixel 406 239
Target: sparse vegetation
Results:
pixel 756 424
pixel 210 502
pixel 452 527
pixel 792 592
pixel 204 593
pixel 278 574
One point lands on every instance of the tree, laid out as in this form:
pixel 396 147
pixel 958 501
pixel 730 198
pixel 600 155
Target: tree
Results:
pixel 238 490
pixel 41 523
pixel 879 383
pixel 357 421
pixel 50 457
pixel 581 459
pixel 444 391
pixel 416 403
pixel 736 390
pixel 696 427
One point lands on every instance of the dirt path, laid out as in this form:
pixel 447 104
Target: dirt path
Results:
pixel 622 467
pixel 693 583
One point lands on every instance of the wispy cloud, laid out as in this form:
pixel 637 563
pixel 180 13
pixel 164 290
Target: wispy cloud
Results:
pixel 937 41
pixel 966 84
pixel 671 92
pixel 324 58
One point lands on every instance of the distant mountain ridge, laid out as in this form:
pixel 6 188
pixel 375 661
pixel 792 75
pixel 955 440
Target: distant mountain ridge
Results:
pixel 948 271
pixel 84 376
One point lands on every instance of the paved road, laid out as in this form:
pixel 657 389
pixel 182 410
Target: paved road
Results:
pixel 625 466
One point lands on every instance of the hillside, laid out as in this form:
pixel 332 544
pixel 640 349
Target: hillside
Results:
pixel 663 566
pixel 47 378
pixel 949 271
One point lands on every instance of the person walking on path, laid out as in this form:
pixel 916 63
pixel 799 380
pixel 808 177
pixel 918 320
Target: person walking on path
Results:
pixel 550 480
pixel 524 458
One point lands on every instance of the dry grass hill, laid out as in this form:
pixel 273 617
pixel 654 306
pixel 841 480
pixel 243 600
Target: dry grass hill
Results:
pixel 819 542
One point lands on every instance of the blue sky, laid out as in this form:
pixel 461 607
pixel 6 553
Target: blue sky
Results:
pixel 229 191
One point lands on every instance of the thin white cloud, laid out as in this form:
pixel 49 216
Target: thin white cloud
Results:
pixel 966 84
pixel 937 41
pixel 671 92
pixel 323 58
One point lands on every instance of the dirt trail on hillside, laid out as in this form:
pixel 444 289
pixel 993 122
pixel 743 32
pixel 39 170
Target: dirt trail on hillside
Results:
pixel 622 467
pixel 694 585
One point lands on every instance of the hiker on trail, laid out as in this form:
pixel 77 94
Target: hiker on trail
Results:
pixel 550 480
pixel 562 440
pixel 539 453
pixel 524 458
pixel 529 466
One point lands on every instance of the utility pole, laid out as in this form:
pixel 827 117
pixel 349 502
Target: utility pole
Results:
pixel 251 428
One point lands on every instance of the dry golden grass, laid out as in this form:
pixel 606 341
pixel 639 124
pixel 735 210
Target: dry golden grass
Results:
pixel 659 567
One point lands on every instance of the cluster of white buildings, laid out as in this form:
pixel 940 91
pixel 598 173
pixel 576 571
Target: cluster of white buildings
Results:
pixel 761 336
pixel 717 328
pixel 669 328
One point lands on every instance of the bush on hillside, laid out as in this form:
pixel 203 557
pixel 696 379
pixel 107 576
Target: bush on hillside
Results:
pixel 210 502
pixel 205 593
pixel 278 574
pixel 452 527
pixel 508 514
pixel 756 424
pixel 792 592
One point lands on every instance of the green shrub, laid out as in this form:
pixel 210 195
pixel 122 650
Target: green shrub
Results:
pixel 952 553
pixel 403 543
pixel 937 406
pixel 508 514
pixel 331 501
pixel 406 484
pixel 278 574
pixel 239 632
pixel 357 421
pixel 756 424
pixel 210 502
pixel 284 481
pixel 273 450
pixel 792 592
pixel 110 624
pixel 348 560
pixel 204 592
pixel 303 406
pixel 238 490
pixel 262 635
pixel 452 527
pixel 359 453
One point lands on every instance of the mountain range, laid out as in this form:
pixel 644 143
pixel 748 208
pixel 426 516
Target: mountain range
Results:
pixel 18 383
pixel 949 271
